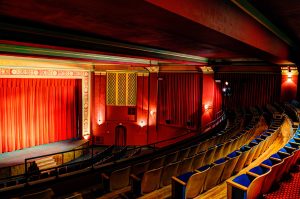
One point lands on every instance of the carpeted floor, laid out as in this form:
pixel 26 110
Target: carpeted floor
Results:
pixel 289 189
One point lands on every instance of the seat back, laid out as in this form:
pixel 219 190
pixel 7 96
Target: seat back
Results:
pixel 214 174
pixel 140 168
pixel 151 180
pixel 119 178
pixel 156 163
pixel 171 158
pixel 198 160
pixel 271 179
pixel 183 153
pixel 195 183
pixel 167 173
pixel 230 165
pixel 245 150
pixel 193 150
pixel 45 194
pixel 185 165
pixel 209 156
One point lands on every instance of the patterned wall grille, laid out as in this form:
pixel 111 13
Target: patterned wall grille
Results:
pixel 121 89
pixel 111 88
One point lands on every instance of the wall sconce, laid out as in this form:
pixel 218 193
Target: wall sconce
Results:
pixel 142 123
pixel 289 76
pixel 289 71
pixel 152 112
pixel 86 136
pixel 99 122
pixel 206 107
pixel 226 83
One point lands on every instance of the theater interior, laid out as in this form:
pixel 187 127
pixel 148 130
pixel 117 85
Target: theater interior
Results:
pixel 149 99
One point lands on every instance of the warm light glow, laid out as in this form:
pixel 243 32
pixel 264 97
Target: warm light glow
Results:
pixel 224 89
pixel 152 112
pixel 86 136
pixel 142 123
pixel 99 121
pixel 206 106
pixel 226 83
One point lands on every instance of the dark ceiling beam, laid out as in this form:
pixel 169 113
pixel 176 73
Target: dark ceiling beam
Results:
pixel 58 39
pixel 258 16
pixel 228 19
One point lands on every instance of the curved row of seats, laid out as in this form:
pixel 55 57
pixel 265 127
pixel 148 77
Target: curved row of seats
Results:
pixel 171 164
pixel 260 179
pixel 188 185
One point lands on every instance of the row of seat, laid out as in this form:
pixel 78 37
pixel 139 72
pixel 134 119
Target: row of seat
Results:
pixel 188 185
pixel 259 180
pixel 175 163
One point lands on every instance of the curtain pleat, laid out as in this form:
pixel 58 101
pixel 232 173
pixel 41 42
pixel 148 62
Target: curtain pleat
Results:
pixel 249 89
pixel 37 111
pixel 179 98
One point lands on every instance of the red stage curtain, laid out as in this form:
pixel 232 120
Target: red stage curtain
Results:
pixel 217 106
pixel 37 111
pixel 179 98
pixel 251 89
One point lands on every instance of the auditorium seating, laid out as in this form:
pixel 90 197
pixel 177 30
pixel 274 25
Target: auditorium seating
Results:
pixel 278 165
pixel 116 180
pixel 186 158
pixel 148 183
pixel 45 194
pixel 190 184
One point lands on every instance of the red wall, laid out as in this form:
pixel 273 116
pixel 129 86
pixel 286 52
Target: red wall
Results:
pixel 288 88
pixel 106 118
pixel 207 99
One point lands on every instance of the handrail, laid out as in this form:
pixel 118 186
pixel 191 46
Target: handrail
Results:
pixel 151 145
pixel 214 122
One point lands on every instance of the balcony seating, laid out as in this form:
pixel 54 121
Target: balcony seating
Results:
pixel 198 160
pixel 209 156
pixel 190 184
pixel 247 185
pixel 193 150
pixel 167 173
pixel 117 179
pixel 173 157
pixel 140 168
pixel 157 163
pixel 184 153
pixel 214 173
pixel 148 183
pixel 230 164
pixel 46 194
pixel 185 166
pixel 245 150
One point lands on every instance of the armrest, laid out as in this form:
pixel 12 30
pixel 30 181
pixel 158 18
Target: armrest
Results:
pixel 136 184
pixel 104 176
pixel 284 153
pixel 275 159
pixel 178 181
pixel 135 178
pixel 239 186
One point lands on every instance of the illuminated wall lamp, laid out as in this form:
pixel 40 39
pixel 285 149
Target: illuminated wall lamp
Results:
pixel 152 112
pixel 206 107
pixel 289 76
pixel 99 122
pixel 86 136
pixel 142 123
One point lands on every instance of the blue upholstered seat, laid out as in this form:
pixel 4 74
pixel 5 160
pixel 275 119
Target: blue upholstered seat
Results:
pixel 244 180
pixel 259 170
pixel 185 177
pixel 233 154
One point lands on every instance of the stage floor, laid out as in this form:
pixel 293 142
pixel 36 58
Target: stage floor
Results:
pixel 18 157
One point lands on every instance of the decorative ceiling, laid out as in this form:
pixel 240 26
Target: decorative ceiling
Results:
pixel 191 31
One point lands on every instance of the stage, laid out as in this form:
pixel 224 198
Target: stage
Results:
pixel 12 163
